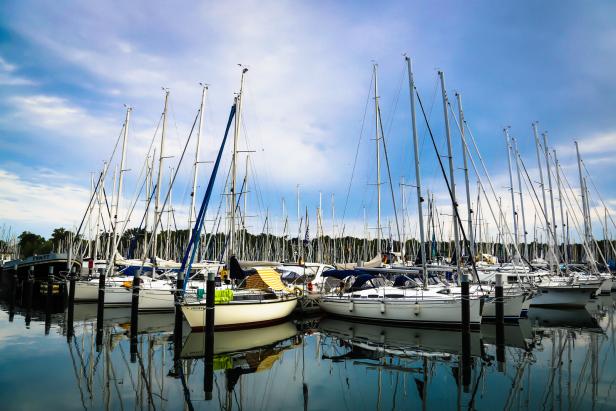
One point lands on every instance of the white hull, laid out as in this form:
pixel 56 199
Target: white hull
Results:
pixel 86 291
pixel 155 299
pixel 563 296
pixel 241 313
pixel 444 312
pixel 512 307
pixel 118 296
pixel 606 287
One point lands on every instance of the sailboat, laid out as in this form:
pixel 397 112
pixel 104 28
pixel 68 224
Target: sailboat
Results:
pixel 236 307
pixel 373 298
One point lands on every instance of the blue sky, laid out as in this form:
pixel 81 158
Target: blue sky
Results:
pixel 67 69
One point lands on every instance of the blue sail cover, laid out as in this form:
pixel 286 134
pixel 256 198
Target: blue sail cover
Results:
pixel 339 274
pixel 361 280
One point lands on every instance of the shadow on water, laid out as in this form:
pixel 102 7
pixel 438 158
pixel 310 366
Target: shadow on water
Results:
pixel 553 359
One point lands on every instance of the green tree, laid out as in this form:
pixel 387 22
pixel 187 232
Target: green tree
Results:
pixel 31 244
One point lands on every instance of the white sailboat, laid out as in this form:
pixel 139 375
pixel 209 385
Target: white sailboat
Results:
pixel 237 308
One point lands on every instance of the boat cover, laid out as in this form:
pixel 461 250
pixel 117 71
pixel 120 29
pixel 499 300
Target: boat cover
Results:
pixel 265 278
pixel 339 274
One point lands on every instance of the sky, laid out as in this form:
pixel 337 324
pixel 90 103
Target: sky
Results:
pixel 67 71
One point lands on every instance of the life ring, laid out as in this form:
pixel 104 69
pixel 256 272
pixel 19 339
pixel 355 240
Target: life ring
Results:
pixel 298 292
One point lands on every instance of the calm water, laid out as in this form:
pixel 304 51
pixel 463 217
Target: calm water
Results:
pixel 557 359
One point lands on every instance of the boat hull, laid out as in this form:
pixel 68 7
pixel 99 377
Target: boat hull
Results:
pixel 512 307
pixel 238 314
pixel 153 299
pixel 563 296
pixel 421 313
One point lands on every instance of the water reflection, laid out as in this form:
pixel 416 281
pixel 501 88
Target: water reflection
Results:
pixel 553 359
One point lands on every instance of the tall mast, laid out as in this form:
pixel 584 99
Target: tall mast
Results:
pixel 514 213
pixel 545 202
pixel 471 237
pixel 98 215
pixel 159 176
pixel 300 248
pixel 119 190
pixel 422 239
pixel 378 160
pixel 192 210
pixel 454 201
pixel 334 227
pixel 516 155
pixel 547 161
pixel 245 214
pixel 562 211
pixel 583 192
pixel 236 134
pixel 111 225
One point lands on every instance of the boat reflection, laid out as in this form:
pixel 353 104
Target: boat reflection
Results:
pixel 399 341
pixel 275 336
pixel 578 318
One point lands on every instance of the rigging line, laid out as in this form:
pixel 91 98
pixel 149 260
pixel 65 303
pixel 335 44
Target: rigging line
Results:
pixel 485 170
pixel 585 244
pixel 101 177
pixel 145 163
pixel 451 196
pixel 549 226
pixel 146 249
pixel 391 187
pixel 361 132
pixel 592 182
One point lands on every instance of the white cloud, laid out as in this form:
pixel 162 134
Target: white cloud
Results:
pixel 45 203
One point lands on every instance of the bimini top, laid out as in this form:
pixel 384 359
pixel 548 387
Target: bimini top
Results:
pixel 339 274
pixel 361 280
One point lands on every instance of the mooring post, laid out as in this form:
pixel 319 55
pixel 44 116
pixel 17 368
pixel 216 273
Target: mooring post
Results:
pixel 48 300
pixel 71 304
pixel 134 315
pixel 100 309
pixel 466 333
pixel 500 322
pixel 208 383
pixel 177 331
pixel 28 294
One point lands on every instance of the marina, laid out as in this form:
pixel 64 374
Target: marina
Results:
pixel 553 359
pixel 283 205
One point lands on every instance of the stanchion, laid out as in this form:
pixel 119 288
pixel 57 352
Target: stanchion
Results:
pixel 500 323
pixel 208 378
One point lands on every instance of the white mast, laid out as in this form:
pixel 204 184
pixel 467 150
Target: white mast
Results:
pixel 583 191
pixel 553 233
pixel 192 211
pixel 545 202
pixel 562 211
pixel 516 155
pixel 471 237
pixel 236 134
pixel 333 228
pixel 513 212
pixel 452 183
pixel 378 160
pixel 111 225
pixel 422 244
pixel 158 212
pixel 118 193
